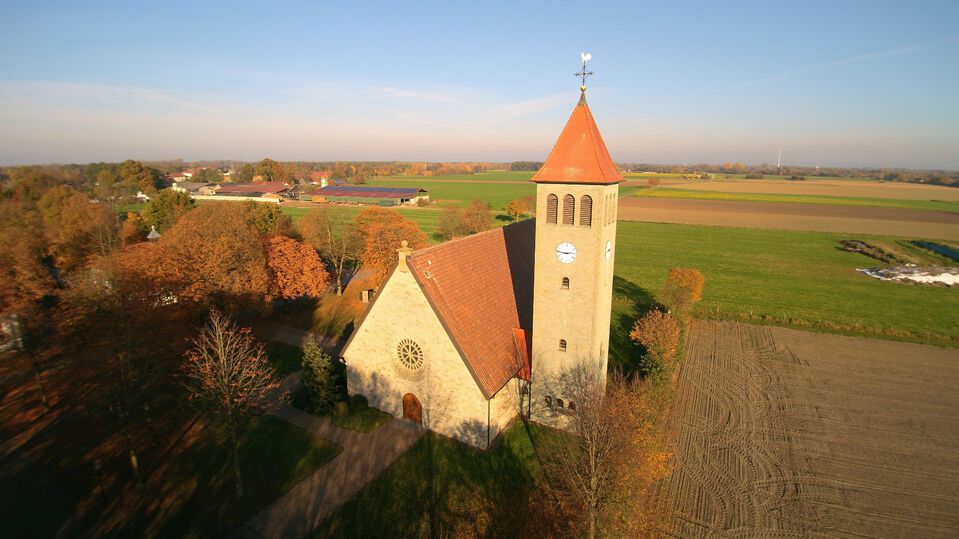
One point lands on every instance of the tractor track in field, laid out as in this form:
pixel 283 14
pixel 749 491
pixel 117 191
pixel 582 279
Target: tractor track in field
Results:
pixel 774 437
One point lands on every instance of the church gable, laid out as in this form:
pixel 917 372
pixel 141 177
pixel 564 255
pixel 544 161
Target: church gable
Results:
pixel 481 288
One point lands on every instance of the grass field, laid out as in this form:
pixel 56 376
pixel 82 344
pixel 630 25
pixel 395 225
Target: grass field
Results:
pixel 492 176
pixel 498 195
pixel 673 193
pixel 777 277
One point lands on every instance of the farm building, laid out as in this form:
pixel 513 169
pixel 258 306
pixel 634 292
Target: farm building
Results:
pixel 255 189
pixel 378 196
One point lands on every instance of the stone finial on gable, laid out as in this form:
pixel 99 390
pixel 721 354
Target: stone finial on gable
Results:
pixel 403 252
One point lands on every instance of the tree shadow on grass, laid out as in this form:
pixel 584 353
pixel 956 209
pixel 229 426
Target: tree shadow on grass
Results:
pixel 444 488
pixel 630 302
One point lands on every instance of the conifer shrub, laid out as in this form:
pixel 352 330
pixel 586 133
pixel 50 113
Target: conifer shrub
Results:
pixel 320 382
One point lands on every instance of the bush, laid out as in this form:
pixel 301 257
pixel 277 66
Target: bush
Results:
pixel 753 176
pixel 358 403
pixel 683 287
pixel 658 333
pixel 341 409
pixel 423 202
pixel 319 381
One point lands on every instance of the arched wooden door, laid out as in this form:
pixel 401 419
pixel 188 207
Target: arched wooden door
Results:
pixel 412 409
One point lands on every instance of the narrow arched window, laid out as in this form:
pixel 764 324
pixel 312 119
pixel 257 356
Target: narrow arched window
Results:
pixel 559 403
pixel 549 401
pixel 552 201
pixel 565 285
pixel 562 345
pixel 572 406
pixel 569 209
pixel 586 211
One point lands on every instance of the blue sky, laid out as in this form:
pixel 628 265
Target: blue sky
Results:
pixel 831 83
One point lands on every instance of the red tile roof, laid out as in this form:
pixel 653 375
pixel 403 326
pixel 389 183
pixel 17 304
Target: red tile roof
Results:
pixel 580 155
pixel 481 288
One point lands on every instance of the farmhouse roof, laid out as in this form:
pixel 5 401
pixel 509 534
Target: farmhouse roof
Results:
pixel 255 187
pixel 580 155
pixel 481 288
pixel 375 192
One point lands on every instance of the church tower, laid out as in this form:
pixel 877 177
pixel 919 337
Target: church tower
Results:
pixel 576 195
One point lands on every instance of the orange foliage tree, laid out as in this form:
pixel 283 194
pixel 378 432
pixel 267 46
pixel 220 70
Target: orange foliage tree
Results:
pixel 75 227
pixel 382 231
pixel 658 332
pixel 297 269
pixel 216 254
pixel 23 276
pixel 683 287
pixel 603 474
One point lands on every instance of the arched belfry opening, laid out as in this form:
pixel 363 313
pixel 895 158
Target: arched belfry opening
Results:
pixel 552 203
pixel 569 209
pixel 586 210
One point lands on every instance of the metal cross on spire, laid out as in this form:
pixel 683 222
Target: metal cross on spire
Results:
pixel 585 56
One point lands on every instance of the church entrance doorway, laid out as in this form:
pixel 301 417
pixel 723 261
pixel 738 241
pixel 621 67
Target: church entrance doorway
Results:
pixel 412 409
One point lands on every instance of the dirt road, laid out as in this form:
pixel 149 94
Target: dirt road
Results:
pixel 815 217
pixel 784 433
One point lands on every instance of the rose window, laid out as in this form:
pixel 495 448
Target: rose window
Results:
pixel 410 354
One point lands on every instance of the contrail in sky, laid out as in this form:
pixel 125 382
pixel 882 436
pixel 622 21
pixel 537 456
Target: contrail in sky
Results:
pixel 912 49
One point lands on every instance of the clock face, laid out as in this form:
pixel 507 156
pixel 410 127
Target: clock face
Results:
pixel 609 249
pixel 566 252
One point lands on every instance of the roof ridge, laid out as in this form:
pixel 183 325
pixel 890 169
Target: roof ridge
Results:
pixel 460 239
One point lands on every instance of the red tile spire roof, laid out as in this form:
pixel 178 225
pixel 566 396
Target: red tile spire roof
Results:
pixel 580 155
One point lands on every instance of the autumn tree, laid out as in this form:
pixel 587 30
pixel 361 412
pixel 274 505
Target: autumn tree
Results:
pixel 382 231
pixel 75 227
pixel 216 255
pixel 336 240
pixel 658 333
pixel 165 208
pixel 683 287
pixel 208 175
pixel 271 171
pixel 133 229
pixel 137 177
pixel 320 382
pixel 267 218
pixel 296 268
pixel 612 454
pixel 24 278
pixel 520 207
pixel 455 222
pixel 228 373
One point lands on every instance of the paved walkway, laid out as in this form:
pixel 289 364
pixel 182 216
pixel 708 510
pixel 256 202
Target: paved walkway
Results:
pixel 364 456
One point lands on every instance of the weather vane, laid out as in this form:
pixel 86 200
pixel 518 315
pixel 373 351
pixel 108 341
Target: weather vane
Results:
pixel 584 73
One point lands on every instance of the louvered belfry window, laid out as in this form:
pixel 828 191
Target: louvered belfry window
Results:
pixel 552 201
pixel 586 211
pixel 569 209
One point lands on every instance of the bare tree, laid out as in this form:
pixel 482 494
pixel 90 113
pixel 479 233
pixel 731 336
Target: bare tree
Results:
pixel 612 452
pixel 338 243
pixel 228 371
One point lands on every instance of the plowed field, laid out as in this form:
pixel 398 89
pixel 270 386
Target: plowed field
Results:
pixel 821 218
pixel 783 433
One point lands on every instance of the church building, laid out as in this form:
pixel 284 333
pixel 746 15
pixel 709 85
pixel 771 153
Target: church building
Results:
pixel 464 335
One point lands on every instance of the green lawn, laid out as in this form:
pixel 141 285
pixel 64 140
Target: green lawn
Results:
pixel 778 277
pixel 274 456
pixel 493 176
pixel 428 219
pixel 366 420
pixel 443 488
pixel 461 193
pixel 668 192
